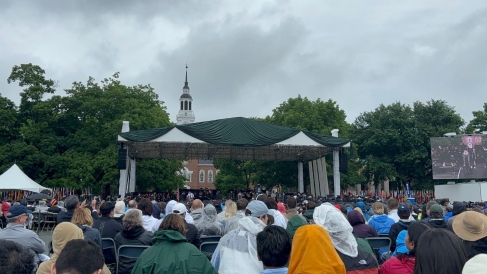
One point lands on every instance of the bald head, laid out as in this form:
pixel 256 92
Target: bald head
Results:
pixel 132 204
pixel 197 204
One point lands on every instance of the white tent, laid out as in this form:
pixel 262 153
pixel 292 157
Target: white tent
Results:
pixel 15 179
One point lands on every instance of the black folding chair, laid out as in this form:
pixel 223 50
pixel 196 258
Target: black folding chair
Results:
pixel 109 250
pixel 128 254
pixel 208 247
pixel 378 243
pixel 205 238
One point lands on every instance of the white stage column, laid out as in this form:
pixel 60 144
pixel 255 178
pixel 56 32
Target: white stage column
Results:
pixel 326 186
pixel 122 187
pixel 132 175
pixel 317 177
pixel 336 167
pixel 311 179
pixel 300 178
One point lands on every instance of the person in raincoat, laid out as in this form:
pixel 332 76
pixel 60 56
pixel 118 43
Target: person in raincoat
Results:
pixel 334 222
pixel 313 252
pixel 171 253
pixel 237 250
pixel 209 225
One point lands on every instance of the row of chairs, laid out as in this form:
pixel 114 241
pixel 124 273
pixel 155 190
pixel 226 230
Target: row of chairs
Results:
pixel 124 251
pixel 41 220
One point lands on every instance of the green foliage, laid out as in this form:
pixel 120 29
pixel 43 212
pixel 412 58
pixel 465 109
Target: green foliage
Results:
pixel 70 141
pixel 395 140
pixel 234 174
pixel 479 121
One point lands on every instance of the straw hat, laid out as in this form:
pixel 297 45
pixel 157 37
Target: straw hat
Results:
pixel 470 226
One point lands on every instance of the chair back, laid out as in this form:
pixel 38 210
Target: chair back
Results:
pixel 109 250
pixel 131 251
pixel 128 254
pixel 205 239
pixel 378 242
pixel 208 247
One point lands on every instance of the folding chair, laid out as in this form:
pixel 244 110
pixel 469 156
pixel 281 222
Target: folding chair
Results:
pixel 109 250
pixel 129 254
pixel 49 219
pixel 378 243
pixel 205 239
pixel 208 247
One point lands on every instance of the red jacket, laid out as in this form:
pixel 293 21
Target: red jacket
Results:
pixel 396 266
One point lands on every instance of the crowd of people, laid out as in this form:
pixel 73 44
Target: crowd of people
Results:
pixel 261 235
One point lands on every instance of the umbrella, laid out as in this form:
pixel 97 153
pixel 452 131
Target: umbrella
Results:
pixel 38 196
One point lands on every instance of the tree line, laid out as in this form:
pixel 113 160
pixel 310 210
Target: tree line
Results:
pixel 70 140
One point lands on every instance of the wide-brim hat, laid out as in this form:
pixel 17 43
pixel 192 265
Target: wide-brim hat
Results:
pixel 470 226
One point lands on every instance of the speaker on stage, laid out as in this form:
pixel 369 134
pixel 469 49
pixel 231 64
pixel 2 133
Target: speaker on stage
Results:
pixel 343 162
pixel 122 158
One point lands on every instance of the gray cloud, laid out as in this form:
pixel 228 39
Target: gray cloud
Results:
pixel 247 58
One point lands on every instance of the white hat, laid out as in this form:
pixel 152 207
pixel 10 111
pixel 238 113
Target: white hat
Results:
pixel 477 264
pixel 179 209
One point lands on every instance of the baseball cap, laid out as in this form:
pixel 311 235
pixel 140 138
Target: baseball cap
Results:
pixel 17 210
pixel 257 208
pixel 179 209
pixel 436 210
pixel 403 211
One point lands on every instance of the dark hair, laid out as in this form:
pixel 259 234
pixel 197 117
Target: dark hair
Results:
pixel 271 203
pixel 146 206
pixel 443 202
pixel 270 219
pixel 392 203
pixel 311 205
pixel 261 197
pixel 439 251
pixel 291 202
pixel 173 222
pixel 106 208
pixel 71 202
pixel 242 204
pixel 15 259
pixel 274 246
pixel 75 255
pixel 415 230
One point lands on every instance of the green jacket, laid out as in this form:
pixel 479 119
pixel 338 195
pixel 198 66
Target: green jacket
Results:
pixel 171 253
pixel 294 223
pixel 308 214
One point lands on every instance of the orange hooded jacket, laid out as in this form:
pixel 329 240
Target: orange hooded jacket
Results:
pixel 313 252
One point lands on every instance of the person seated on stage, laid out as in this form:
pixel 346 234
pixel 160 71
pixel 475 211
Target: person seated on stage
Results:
pixel 54 208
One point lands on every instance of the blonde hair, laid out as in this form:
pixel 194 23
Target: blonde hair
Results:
pixel 230 209
pixel 378 208
pixel 82 216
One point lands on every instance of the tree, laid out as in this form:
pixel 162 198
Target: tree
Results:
pixel 395 139
pixel 479 121
pixel 70 141
pixel 233 174
pixel 8 121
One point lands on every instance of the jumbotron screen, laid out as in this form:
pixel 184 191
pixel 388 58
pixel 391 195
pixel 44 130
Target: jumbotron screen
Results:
pixel 459 157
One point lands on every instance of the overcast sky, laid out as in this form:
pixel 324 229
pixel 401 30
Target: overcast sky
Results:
pixel 247 57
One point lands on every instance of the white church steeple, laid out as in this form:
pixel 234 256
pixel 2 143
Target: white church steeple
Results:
pixel 185 115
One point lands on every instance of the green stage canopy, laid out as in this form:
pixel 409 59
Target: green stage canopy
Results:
pixel 232 138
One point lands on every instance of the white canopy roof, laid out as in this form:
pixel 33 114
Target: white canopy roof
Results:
pixel 15 179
